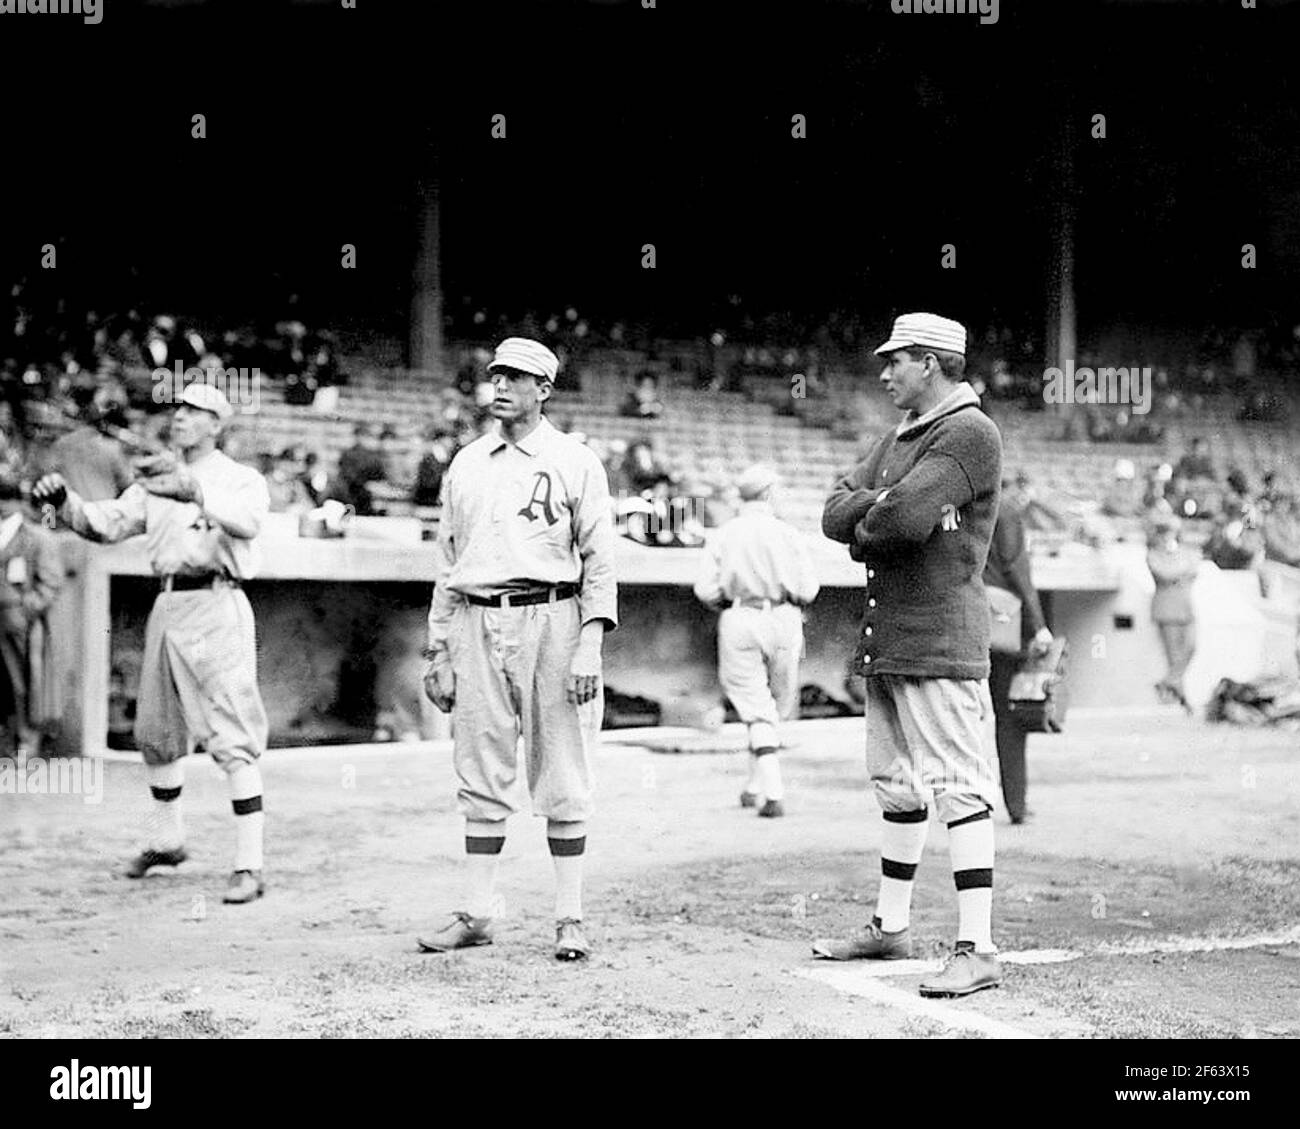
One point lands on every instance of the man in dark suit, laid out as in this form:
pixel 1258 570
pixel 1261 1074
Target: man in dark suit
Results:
pixel 1008 568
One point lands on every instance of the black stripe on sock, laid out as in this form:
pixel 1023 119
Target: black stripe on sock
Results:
pixel 484 845
pixel 903 871
pixel 765 751
pixel 974 879
pixel 247 807
pixel 918 816
pixel 987 813
pixel 166 795
pixel 567 848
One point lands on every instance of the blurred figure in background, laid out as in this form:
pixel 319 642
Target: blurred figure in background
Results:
pixel 360 465
pixel 94 465
pixel 1174 567
pixel 1008 568
pixel 758 572
pixel 31 574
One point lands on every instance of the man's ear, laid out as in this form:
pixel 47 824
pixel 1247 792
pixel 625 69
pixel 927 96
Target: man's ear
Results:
pixel 544 390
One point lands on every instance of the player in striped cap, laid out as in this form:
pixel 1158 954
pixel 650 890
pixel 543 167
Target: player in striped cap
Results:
pixel 919 512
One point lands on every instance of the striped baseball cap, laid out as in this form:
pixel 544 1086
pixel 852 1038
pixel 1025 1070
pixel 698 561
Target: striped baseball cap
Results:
pixel 526 355
pixel 928 330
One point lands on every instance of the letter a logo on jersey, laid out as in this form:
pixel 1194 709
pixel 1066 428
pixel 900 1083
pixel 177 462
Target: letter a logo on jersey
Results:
pixel 950 519
pixel 541 497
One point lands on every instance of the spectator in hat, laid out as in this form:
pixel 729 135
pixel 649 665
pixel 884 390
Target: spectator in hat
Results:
pixel 31 574
pixel 1124 496
pixel 360 465
pixel 1174 567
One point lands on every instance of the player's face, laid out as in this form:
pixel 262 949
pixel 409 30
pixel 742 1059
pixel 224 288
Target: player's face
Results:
pixel 191 426
pixel 905 378
pixel 517 396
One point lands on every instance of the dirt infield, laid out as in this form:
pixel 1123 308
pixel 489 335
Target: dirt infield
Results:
pixel 1154 836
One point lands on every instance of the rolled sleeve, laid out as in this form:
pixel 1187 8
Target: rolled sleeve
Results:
pixel 111 521
pixel 708 580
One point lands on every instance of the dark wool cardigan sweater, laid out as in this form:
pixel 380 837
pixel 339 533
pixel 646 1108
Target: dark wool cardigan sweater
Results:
pixel 925 544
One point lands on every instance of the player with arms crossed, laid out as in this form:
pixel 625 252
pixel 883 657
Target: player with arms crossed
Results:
pixel 919 513
pixel 516 626
pixel 199 514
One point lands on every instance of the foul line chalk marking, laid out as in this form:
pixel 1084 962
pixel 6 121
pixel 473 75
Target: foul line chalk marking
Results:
pixel 1197 944
pixel 855 984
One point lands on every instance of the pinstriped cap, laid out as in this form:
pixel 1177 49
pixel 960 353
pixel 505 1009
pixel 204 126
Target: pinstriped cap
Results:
pixel 526 355
pixel 928 330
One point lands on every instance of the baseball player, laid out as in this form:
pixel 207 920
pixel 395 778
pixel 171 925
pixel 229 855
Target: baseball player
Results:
pixel 199 512
pixel 757 570
pixel 516 626
pixel 919 512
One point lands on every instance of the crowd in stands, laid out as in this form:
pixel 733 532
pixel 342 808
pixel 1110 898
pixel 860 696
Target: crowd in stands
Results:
pixel 67 380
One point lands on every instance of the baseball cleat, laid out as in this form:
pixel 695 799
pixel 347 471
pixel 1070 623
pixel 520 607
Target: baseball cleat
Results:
pixel 464 931
pixel 244 886
pixel 966 971
pixel 139 866
pixel 748 799
pixel 773 809
pixel 873 944
pixel 570 941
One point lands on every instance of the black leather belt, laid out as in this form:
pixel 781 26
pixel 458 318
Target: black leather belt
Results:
pixel 526 596
pixel 190 582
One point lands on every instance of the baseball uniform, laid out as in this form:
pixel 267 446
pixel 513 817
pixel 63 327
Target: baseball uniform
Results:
pixel 757 568
pixel 525 593
pixel 919 513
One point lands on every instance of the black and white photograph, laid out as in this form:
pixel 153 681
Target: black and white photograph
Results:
pixel 647 519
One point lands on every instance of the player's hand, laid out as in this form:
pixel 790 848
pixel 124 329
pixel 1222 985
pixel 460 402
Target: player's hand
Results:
pixel 179 484
pixel 150 466
pixel 1041 643
pixel 440 684
pixel 50 490
pixel 584 676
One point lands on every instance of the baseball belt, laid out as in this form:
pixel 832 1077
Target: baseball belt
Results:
pixel 750 602
pixel 523 597
pixel 190 582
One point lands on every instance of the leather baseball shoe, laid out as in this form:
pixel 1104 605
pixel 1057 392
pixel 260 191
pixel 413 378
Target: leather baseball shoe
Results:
pixel 570 941
pixel 244 886
pixel 873 944
pixel 748 799
pixel 139 866
pixel 772 809
pixel 464 931
pixel 966 971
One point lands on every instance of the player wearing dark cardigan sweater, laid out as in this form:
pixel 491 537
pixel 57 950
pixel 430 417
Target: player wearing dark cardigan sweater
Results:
pixel 919 513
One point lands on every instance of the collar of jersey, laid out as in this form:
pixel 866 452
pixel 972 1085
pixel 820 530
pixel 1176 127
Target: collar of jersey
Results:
pixel 531 444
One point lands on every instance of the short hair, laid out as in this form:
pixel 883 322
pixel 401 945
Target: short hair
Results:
pixel 952 365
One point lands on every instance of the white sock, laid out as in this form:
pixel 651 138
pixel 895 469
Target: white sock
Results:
pixel 768 771
pixel 165 830
pixel 483 844
pixel 971 847
pixel 902 842
pixel 751 784
pixel 568 844
pixel 246 798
